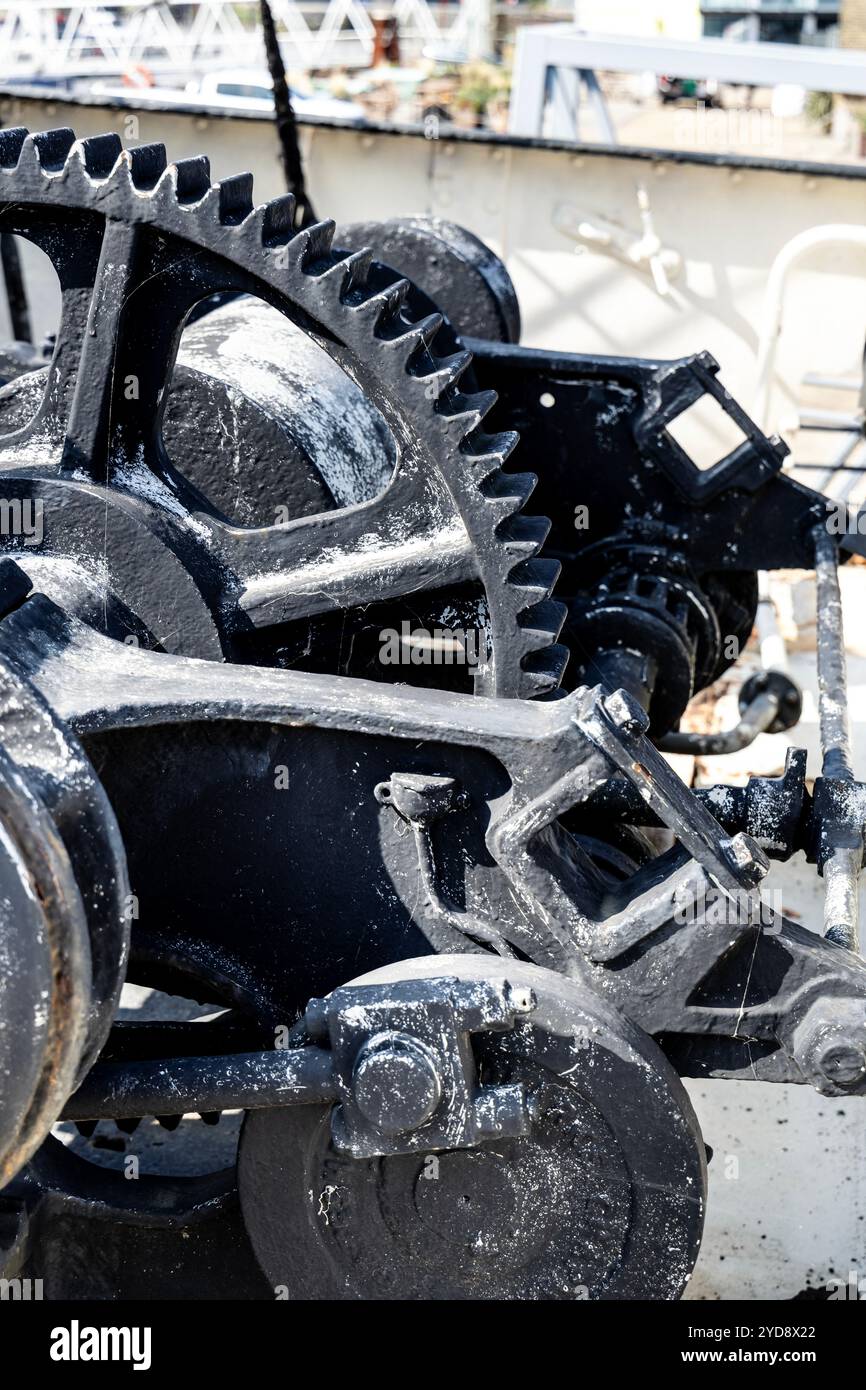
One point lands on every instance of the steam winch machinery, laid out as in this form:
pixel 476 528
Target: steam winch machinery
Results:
pixel 305 717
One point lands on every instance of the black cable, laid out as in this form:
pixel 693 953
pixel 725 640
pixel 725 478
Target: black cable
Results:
pixel 829 467
pixel 287 128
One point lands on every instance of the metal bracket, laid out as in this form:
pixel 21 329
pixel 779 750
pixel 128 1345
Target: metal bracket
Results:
pixel 422 801
pixel 617 725
pixel 404 1066
pixel 757 459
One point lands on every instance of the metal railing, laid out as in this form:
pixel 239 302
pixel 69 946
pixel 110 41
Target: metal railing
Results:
pixel 40 38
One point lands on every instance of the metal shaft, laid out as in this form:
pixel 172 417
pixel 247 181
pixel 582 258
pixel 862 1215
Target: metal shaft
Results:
pixel 192 1085
pixel 832 668
pixel 618 668
pixel 843 866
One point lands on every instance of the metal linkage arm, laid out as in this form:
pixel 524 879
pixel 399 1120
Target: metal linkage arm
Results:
pixel 398 1059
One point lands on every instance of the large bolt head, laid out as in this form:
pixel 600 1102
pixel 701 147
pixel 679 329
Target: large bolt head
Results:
pixel 842 1063
pixel 830 1045
pixel 626 714
pixel 746 858
pixel 395 1082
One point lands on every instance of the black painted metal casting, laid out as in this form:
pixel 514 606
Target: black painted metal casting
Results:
pixel 286 728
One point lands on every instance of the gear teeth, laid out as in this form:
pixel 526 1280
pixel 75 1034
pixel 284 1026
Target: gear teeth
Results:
pixel 510 501
pixel 356 268
pixel 534 635
pixel 497 447
pixel 278 220
pixel 49 149
pixel 538 617
pixel 486 456
pixel 347 274
pixel 128 1126
pixel 513 489
pixel 526 594
pixel 191 178
pixel 542 670
pixel 144 165
pixel 235 199
pixel 419 337
pixel 11 145
pixel 210 1117
pixel 503 510
pixel 314 245
pixel 447 371
pixel 384 306
pixel 536 578
pixel 169 1122
pixel 469 411
pixel 97 154
pixel 523 536
pixel 540 621
pixel 86 1127
pixel 543 619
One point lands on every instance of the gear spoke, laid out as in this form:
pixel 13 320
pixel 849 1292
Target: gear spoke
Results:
pixel 119 378
pixel 357 555
pixel 75 261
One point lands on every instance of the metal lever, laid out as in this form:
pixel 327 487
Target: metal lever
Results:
pixel 770 702
pixel 842 844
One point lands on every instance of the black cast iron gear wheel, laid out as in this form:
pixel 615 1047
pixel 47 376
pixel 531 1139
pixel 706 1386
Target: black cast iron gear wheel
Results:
pixel 137 243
